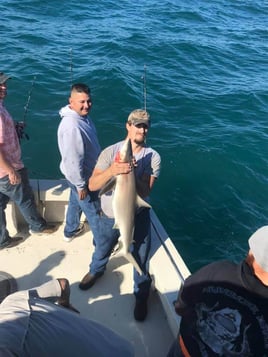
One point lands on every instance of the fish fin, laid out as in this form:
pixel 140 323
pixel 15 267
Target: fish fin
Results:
pixel 133 261
pixel 109 186
pixel 141 203
pixel 117 248
pixel 115 226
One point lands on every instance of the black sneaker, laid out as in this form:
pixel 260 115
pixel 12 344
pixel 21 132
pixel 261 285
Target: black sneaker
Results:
pixel 89 280
pixel 12 242
pixel 140 310
pixel 79 231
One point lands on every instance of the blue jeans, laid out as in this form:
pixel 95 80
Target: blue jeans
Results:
pixel 23 196
pixel 90 205
pixel 107 239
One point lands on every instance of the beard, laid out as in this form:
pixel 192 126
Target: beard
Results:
pixel 140 141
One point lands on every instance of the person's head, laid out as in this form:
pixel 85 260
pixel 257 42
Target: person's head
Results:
pixel 137 125
pixel 80 99
pixel 3 85
pixel 258 252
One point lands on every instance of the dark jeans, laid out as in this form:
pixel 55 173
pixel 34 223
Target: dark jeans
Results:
pixel 108 237
pixel 23 196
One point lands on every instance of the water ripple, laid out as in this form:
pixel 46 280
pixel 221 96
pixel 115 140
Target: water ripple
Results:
pixel 207 92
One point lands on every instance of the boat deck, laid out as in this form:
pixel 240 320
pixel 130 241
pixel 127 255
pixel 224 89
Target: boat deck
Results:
pixel 110 301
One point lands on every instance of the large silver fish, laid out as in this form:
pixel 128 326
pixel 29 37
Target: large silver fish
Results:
pixel 125 203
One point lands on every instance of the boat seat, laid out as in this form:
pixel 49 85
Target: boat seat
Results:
pixel 51 196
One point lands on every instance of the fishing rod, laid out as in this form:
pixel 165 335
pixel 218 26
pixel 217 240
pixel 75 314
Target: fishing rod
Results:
pixel 20 125
pixel 144 88
pixel 28 101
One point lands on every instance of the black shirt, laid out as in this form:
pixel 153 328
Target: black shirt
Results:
pixel 224 309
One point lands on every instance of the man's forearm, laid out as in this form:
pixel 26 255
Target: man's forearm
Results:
pixel 99 179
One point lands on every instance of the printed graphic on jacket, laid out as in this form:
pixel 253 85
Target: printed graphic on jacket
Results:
pixel 220 329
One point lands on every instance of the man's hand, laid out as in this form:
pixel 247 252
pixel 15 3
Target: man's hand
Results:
pixel 14 177
pixel 118 168
pixel 82 194
pixel 20 125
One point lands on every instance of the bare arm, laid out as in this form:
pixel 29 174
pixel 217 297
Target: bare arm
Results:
pixel 100 177
pixel 13 175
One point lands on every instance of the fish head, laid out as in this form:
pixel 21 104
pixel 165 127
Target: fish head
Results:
pixel 125 153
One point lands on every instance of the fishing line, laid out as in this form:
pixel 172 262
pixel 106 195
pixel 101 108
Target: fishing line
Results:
pixel 71 65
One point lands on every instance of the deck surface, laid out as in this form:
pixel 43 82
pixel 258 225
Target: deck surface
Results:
pixel 110 301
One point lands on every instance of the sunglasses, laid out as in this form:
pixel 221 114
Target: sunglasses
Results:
pixel 144 126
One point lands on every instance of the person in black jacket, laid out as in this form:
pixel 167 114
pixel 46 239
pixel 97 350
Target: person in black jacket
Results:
pixel 223 306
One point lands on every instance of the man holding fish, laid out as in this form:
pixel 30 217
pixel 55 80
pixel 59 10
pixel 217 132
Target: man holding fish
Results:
pixel 125 173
